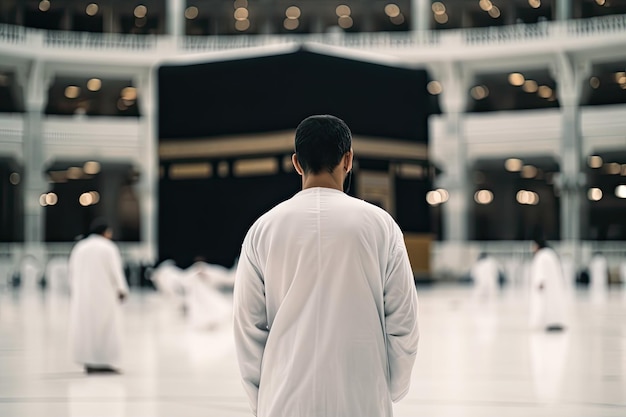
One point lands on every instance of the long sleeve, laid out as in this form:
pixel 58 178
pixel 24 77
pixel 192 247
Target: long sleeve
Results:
pixel 250 324
pixel 401 310
pixel 117 270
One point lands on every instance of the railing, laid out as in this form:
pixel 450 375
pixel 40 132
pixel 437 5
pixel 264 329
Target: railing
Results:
pixel 96 41
pixel 162 46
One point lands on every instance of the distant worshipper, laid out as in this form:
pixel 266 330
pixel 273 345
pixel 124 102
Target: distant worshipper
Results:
pixel 598 277
pixel 547 288
pixel 325 305
pixel 98 287
pixel 486 274
pixel 207 307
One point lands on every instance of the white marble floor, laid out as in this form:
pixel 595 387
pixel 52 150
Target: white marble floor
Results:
pixel 473 360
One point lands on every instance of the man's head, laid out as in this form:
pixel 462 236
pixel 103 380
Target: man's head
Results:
pixel 101 227
pixel 322 141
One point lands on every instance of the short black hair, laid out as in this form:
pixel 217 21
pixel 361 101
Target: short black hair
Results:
pixel 321 142
pixel 98 226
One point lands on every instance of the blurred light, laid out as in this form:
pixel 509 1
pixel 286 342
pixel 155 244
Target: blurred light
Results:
pixel 42 200
pixel 601 2
pixel 513 165
pixel 191 12
pixel 129 93
pixel 94 84
pixel 140 11
pixel 594 194
pixel 485 5
pixel 620 77
pixel 44 5
pixel 345 22
pixel 438 8
pixel 72 91
pixel 85 199
pixel 14 178
pixel 527 197
pixel 620 191
pixel 444 194
pixel 434 87
pixel 516 79
pixel 92 9
pixel 529 171
pixel 613 168
pixel 293 12
pixel 494 12
pixel 95 197
pixel 291 24
pixel 535 4
pixel 441 18
pixel 51 199
pixel 242 25
pixel 433 198
pixel 623 170
pixel 594 82
pixel 392 10
pixel 479 92
pixel 398 20
pixel 74 173
pixel 530 86
pixel 241 14
pixel 240 3
pixel 544 91
pixel 91 167
pixel 595 161
pixel 483 197
pixel 343 10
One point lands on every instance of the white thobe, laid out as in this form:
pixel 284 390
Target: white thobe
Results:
pixel 599 272
pixel 207 307
pixel 96 278
pixel 547 290
pixel 485 274
pixel 325 313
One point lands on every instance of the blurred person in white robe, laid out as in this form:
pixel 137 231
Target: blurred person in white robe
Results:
pixel 168 280
pixel 598 278
pixel 98 287
pixel 486 275
pixel 547 288
pixel 325 313
pixel 207 307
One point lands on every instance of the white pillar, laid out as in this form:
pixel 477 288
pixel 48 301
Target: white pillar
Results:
pixel 147 189
pixel 175 17
pixel 453 101
pixel 35 85
pixel 420 15
pixel 570 76
pixel 563 9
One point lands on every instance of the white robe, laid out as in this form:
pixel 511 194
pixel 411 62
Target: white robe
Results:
pixel 547 290
pixel 485 274
pixel 96 278
pixel 598 278
pixel 325 313
pixel 207 306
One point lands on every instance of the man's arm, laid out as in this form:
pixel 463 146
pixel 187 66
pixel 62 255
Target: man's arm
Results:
pixel 118 278
pixel 401 309
pixel 250 325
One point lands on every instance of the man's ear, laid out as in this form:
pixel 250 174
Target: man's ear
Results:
pixel 347 163
pixel 296 164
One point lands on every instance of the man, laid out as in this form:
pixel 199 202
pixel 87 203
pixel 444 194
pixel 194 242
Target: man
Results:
pixel 98 286
pixel 547 292
pixel 325 306
pixel 485 273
